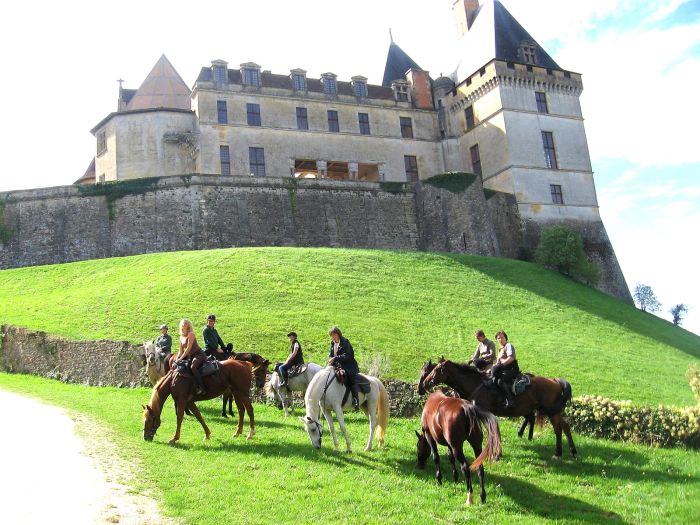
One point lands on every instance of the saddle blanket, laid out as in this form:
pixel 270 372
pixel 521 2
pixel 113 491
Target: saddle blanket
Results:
pixel 210 367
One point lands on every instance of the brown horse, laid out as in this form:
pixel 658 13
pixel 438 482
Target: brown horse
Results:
pixel 451 421
pixel 260 372
pixel 529 419
pixel 234 376
pixel 547 396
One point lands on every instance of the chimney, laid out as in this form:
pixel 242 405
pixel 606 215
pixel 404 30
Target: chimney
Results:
pixel 464 11
pixel 420 88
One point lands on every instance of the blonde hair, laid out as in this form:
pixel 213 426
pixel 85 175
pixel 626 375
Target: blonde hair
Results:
pixel 183 323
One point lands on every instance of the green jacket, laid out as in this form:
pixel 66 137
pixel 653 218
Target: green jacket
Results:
pixel 212 341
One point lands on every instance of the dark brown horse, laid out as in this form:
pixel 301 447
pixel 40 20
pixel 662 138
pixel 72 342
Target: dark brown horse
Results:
pixel 529 419
pixel 546 396
pixel 233 376
pixel 260 372
pixel 451 421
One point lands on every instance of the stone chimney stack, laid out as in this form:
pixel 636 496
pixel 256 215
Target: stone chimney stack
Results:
pixel 464 11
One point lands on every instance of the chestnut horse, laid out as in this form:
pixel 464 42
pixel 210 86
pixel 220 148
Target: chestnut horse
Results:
pixel 451 421
pixel 547 396
pixel 233 375
pixel 260 372
pixel 529 419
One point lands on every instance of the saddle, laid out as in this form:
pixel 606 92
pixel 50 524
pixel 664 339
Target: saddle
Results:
pixel 518 385
pixel 362 383
pixel 210 367
pixel 296 370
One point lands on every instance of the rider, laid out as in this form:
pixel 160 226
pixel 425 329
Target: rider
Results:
pixel 506 368
pixel 485 352
pixel 164 343
pixel 296 357
pixel 213 344
pixel 189 349
pixel 342 356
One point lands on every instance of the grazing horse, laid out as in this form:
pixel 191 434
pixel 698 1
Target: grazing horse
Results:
pixel 529 419
pixel 297 383
pixel 547 396
pixel 233 375
pixel 451 421
pixel 156 365
pixel 326 393
pixel 260 365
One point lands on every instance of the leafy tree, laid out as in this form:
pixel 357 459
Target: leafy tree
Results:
pixel 562 249
pixel 645 298
pixel 678 312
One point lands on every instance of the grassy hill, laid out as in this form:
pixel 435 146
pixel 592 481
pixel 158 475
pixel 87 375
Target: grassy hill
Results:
pixel 406 307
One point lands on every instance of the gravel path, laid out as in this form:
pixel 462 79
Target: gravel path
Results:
pixel 49 475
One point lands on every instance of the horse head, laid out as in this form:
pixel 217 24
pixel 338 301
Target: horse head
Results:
pixel 427 368
pixel 313 429
pixel 422 449
pixel 149 352
pixel 151 422
pixel 437 375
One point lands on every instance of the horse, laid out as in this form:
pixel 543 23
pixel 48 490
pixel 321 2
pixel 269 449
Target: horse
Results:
pixel 451 421
pixel 260 372
pixel 233 375
pixel 297 383
pixel 529 419
pixel 326 393
pixel 156 365
pixel 548 396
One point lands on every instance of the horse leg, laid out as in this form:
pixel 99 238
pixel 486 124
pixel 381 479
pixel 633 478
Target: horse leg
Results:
pixel 329 419
pixel 341 424
pixel 532 426
pixel 284 403
pixel 556 425
pixel 476 447
pixel 372 414
pixel 180 412
pixel 251 417
pixel 436 457
pixel 569 438
pixel 451 457
pixel 223 405
pixel 195 410
pixel 241 412
pixel 230 404
pixel 529 419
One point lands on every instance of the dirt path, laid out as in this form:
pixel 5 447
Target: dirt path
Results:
pixel 49 475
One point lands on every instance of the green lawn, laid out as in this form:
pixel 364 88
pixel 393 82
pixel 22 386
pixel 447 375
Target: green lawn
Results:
pixel 404 306
pixel 279 478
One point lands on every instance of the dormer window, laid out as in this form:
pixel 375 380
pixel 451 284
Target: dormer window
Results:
pixel 528 52
pixel 359 86
pixel 220 71
pixel 330 85
pixel 251 74
pixel 400 91
pixel 299 79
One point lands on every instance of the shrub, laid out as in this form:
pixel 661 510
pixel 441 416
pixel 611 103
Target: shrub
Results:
pixel 562 249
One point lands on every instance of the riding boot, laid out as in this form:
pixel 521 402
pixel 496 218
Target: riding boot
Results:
pixel 199 384
pixel 355 397
pixel 505 387
pixel 284 378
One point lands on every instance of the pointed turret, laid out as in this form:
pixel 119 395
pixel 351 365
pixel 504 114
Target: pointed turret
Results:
pixel 397 63
pixel 163 88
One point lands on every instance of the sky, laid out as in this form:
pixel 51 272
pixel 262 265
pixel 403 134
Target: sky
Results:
pixel 640 62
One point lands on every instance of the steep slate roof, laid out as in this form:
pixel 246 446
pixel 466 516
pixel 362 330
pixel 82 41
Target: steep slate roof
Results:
pixel 128 94
pixel 163 88
pixel 397 63
pixel 495 34
pixel 89 175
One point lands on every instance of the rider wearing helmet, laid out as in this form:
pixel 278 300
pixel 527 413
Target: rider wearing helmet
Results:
pixel 296 357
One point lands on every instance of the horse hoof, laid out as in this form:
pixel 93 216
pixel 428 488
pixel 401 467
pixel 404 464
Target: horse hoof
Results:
pixel 556 458
pixel 470 500
pixel 207 437
pixel 172 441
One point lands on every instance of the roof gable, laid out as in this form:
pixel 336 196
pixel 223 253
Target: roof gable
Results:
pixel 163 88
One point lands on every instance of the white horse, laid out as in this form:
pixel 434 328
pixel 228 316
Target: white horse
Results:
pixel 156 365
pixel 295 384
pixel 326 394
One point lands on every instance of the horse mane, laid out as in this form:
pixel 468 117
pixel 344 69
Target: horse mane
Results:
pixel 155 393
pixel 465 368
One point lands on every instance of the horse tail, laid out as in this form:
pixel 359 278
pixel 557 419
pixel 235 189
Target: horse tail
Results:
pixel 566 394
pixel 540 418
pixel 492 450
pixel 383 408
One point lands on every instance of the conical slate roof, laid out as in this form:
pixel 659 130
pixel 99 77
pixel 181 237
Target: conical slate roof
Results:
pixel 397 63
pixel 163 88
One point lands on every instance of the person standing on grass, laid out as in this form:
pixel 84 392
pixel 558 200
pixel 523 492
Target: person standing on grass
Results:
pixel 213 344
pixel 485 353
pixel 342 356
pixel 190 349
pixel 506 368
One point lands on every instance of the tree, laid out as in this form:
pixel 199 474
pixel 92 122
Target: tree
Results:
pixel 645 298
pixel 678 312
pixel 562 249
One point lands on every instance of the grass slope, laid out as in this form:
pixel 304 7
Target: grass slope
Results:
pixel 405 306
pixel 279 478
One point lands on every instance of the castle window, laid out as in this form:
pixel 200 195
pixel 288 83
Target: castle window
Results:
pixel 101 178
pixel 541 99
pixel 220 74
pixel 406 127
pixel 251 77
pixel 299 81
pixel 253 111
pixel 567 74
pixel 302 119
pixel 330 86
pixel 550 155
pixel 476 160
pixel 333 124
pixel 363 119
pixel 359 87
pixel 257 161
pixel 510 65
pixel 528 53
pixel 557 196
pixel 225 158
pixel 469 116
pixel 410 162
pixel 221 112
pixel 400 91
pixel 101 142
pixel 482 71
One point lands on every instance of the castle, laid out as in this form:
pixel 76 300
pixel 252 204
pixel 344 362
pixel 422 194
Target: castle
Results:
pixel 508 113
